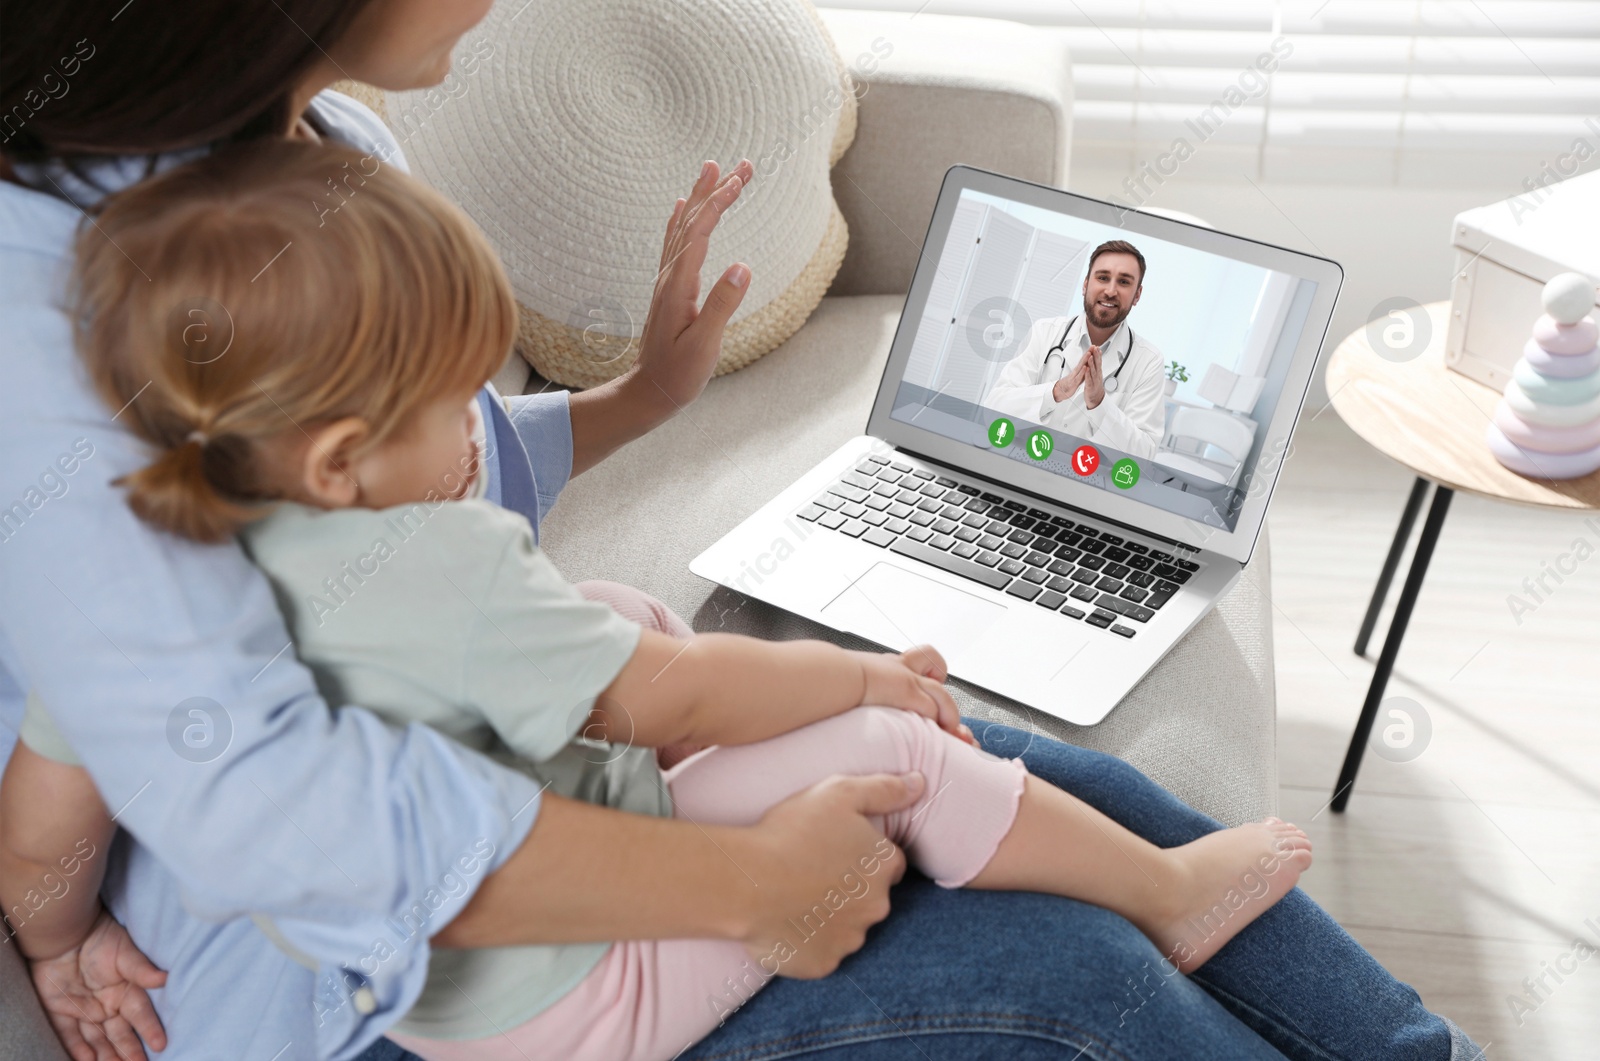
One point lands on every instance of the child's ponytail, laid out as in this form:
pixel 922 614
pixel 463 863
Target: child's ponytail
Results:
pixel 251 319
pixel 177 491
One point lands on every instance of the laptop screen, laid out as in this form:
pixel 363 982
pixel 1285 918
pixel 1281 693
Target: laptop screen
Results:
pixel 1144 367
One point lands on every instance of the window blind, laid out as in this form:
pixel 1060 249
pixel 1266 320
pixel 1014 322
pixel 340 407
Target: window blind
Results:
pixel 1417 92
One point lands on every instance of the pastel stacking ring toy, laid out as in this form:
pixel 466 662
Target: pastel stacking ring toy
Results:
pixel 1560 366
pixel 1548 424
pixel 1554 390
pixel 1549 414
pixel 1558 338
pixel 1543 438
pixel 1537 465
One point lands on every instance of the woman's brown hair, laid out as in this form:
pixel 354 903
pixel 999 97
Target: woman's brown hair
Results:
pixel 235 302
pixel 109 77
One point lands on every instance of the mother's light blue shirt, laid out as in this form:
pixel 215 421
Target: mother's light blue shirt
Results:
pixel 336 826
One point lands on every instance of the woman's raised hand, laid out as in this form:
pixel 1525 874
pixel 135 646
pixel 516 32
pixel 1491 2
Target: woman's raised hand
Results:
pixel 682 338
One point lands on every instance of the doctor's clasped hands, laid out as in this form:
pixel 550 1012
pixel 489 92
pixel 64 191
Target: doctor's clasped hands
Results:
pixel 1088 374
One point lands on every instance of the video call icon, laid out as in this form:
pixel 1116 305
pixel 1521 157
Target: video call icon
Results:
pixel 1125 472
pixel 1085 459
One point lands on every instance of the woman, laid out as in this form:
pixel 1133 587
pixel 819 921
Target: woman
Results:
pixel 144 648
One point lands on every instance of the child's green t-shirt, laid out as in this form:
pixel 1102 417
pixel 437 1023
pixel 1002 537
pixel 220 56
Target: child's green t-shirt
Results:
pixel 447 614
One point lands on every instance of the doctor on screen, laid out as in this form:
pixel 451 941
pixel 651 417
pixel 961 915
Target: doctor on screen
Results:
pixel 1088 374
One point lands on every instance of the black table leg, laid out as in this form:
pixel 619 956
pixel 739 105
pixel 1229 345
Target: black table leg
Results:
pixel 1391 645
pixel 1391 563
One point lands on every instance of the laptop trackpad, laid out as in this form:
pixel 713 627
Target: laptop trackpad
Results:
pixel 901 608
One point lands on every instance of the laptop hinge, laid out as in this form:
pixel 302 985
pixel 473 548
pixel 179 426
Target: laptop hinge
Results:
pixel 1178 548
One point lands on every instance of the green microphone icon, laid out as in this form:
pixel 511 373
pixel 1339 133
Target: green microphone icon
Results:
pixel 1001 432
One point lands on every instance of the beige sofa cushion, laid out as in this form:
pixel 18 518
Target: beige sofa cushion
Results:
pixel 575 124
pixel 936 90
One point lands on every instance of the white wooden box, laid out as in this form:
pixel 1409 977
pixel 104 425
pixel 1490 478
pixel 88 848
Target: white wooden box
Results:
pixel 1505 253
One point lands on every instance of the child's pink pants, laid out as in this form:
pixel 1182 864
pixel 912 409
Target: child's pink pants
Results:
pixel 648 1000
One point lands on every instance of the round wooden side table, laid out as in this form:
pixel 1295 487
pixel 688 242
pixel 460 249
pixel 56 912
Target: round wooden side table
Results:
pixel 1431 419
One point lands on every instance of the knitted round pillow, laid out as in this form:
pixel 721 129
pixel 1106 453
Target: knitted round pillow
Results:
pixel 569 127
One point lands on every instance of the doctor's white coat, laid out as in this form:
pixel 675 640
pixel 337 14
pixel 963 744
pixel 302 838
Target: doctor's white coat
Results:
pixel 1130 419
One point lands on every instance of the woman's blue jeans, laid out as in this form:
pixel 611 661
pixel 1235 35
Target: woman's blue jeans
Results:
pixel 967 975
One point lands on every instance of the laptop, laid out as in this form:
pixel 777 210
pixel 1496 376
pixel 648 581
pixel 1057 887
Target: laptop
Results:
pixel 1053 527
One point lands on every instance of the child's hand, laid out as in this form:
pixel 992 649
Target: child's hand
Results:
pixel 913 681
pixel 95 996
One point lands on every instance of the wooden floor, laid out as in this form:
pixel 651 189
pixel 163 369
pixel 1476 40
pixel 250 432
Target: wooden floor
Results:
pixel 1473 867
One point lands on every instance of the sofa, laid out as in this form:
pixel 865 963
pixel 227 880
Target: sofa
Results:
pixel 992 94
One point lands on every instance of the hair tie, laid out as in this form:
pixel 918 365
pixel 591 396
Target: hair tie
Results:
pixel 198 436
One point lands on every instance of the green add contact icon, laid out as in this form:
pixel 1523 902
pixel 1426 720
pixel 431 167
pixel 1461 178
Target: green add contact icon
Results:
pixel 1040 444
pixel 1125 472
pixel 1002 432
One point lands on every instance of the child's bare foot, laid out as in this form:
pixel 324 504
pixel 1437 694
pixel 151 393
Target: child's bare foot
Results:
pixel 1226 880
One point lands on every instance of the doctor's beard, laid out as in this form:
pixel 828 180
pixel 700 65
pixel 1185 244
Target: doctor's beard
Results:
pixel 1092 313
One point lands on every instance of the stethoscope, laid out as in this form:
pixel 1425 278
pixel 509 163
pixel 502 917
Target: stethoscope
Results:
pixel 1058 352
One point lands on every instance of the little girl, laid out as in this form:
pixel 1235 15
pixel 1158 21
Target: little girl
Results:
pixel 336 436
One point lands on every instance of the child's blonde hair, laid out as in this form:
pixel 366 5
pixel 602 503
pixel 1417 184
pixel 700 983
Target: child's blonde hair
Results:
pixel 267 290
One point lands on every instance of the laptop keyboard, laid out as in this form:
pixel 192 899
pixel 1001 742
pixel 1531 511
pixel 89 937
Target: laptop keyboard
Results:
pixel 1067 566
